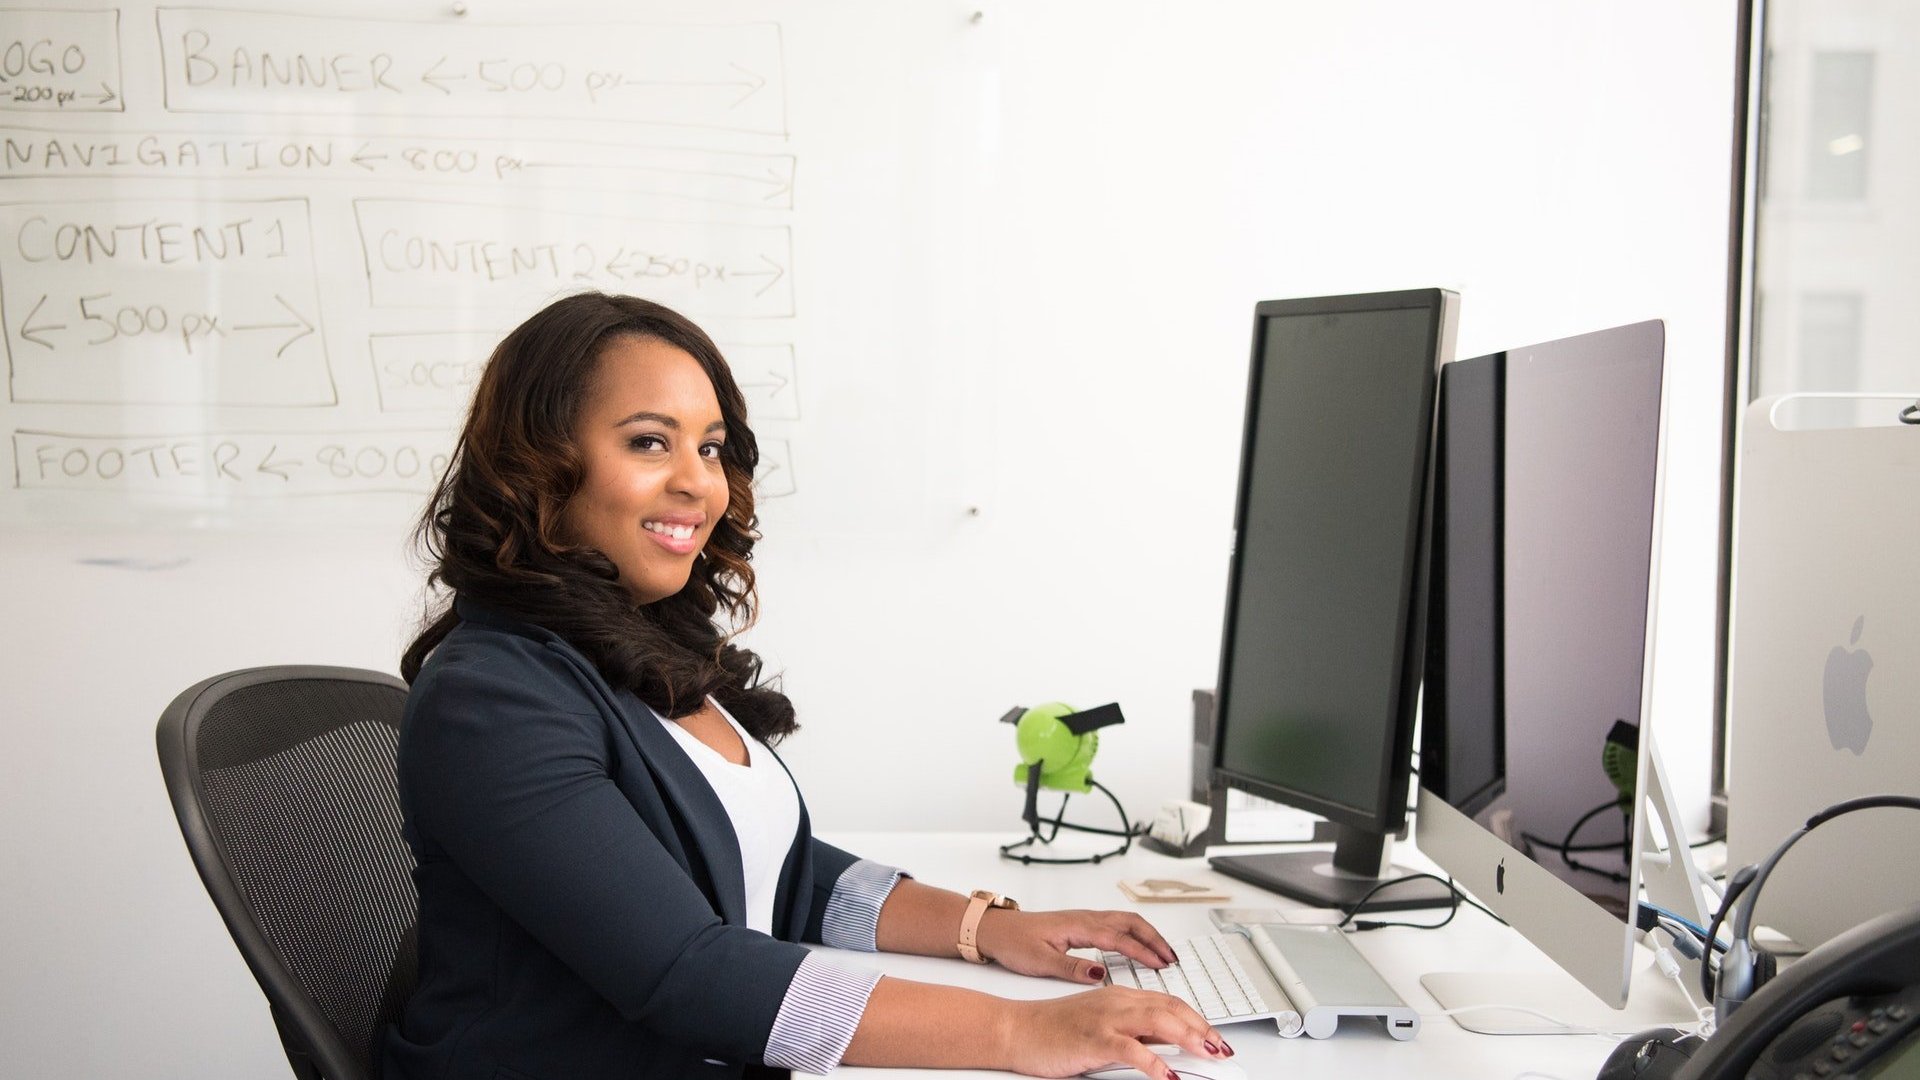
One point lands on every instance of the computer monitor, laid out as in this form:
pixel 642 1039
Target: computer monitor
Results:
pixel 1321 655
pixel 1536 757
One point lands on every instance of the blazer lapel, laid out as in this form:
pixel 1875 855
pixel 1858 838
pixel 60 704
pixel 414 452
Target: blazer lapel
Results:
pixel 683 785
pixel 680 780
pixel 795 893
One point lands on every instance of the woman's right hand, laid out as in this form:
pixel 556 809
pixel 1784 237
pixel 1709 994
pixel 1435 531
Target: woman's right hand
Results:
pixel 1067 1036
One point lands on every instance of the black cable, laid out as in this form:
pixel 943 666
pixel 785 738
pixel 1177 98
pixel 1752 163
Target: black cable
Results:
pixel 1459 897
pixel 1362 925
pixel 1388 883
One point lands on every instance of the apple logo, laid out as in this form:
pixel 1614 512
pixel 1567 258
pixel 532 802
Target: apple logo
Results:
pixel 1844 693
pixel 1500 878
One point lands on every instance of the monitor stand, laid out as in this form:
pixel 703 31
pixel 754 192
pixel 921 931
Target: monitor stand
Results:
pixel 1485 998
pixel 1339 878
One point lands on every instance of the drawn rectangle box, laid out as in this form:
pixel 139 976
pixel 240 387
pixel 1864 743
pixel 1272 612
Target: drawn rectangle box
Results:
pixel 722 77
pixel 152 301
pixel 428 372
pixel 683 174
pixel 61 61
pixel 492 256
pixel 220 465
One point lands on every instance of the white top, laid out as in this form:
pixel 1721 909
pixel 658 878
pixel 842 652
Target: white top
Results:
pixel 762 804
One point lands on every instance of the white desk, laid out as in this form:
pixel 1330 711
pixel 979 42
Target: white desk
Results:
pixel 1442 1051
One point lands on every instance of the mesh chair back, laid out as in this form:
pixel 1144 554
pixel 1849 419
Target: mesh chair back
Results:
pixel 283 780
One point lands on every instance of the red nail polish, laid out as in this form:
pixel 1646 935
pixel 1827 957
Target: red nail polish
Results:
pixel 1097 971
pixel 1229 1047
pixel 1211 1049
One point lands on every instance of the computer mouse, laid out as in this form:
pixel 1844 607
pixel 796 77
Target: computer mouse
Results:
pixel 1654 1054
pixel 1188 1066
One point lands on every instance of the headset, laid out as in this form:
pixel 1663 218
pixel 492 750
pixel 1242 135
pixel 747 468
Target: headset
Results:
pixel 1745 967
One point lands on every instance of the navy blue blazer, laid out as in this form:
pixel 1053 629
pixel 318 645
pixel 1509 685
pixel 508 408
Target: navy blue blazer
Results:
pixel 582 910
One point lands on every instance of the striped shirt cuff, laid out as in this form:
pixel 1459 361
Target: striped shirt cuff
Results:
pixel 818 1016
pixel 852 918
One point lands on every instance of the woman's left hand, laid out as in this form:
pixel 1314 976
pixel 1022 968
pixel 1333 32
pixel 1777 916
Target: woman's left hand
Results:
pixel 1036 942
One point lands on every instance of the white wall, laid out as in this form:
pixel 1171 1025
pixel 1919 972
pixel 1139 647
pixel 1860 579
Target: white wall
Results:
pixel 1079 203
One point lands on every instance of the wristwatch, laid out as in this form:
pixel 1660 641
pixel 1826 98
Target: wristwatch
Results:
pixel 977 906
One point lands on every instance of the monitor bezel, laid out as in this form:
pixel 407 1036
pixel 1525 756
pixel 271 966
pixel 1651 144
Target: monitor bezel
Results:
pixel 1387 811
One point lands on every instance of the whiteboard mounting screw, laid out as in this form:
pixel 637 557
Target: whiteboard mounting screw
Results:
pixel 459 7
pixel 973 511
pixel 977 16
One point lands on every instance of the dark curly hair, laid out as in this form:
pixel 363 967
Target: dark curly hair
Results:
pixel 494 528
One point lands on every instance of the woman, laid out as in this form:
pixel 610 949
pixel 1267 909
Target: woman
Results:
pixel 614 868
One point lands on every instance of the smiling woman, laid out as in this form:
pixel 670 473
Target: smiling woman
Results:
pixel 615 869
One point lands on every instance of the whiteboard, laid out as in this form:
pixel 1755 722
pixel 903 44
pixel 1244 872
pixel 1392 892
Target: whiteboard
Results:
pixel 253 259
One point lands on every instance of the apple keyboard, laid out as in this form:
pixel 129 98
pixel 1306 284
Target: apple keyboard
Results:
pixel 1220 975
pixel 1303 978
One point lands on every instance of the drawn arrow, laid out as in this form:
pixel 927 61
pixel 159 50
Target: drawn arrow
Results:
pixel 753 84
pixel 781 185
pixel 302 325
pixel 617 266
pixel 431 78
pixel 28 330
pixel 361 157
pixel 277 468
pixel 777 272
pixel 779 383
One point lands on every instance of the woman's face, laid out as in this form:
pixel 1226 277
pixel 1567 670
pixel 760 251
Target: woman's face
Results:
pixel 650 434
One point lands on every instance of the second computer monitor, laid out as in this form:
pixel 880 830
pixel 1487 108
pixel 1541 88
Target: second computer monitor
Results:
pixel 1321 655
pixel 1533 768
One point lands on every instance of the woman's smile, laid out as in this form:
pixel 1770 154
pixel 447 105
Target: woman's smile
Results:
pixel 675 533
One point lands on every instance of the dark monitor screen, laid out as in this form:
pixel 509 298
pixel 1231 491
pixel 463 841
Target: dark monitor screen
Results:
pixel 1567 571
pixel 1315 697
pixel 1462 744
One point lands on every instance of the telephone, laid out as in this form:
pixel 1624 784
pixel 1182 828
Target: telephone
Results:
pixel 1848 1010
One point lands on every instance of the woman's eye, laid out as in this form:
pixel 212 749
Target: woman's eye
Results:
pixel 647 442
pixel 712 450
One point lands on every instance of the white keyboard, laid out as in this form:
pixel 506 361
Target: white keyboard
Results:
pixel 1219 975
pixel 1305 978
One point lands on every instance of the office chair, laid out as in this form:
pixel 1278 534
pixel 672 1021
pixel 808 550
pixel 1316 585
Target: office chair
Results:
pixel 283 781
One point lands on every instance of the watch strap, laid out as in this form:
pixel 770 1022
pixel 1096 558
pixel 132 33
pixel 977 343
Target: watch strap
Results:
pixel 977 905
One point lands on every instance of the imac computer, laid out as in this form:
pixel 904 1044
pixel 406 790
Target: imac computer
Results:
pixel 1321 656
pixel 1537 762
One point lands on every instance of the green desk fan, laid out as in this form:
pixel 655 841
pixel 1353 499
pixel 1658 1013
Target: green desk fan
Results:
pixel 1057 744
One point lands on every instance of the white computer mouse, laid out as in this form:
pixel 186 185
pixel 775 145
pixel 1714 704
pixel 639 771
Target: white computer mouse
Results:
pixel 1188 1066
